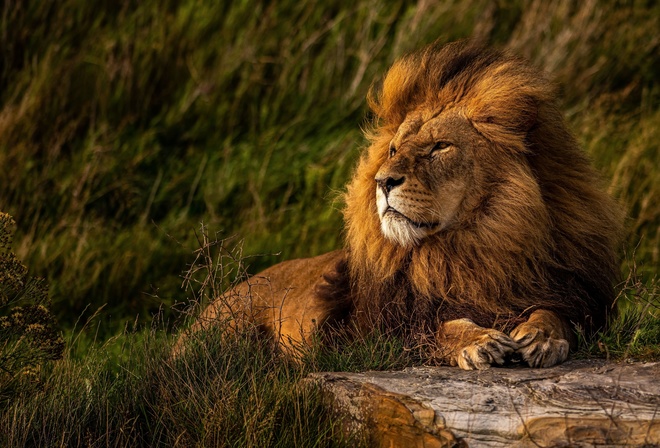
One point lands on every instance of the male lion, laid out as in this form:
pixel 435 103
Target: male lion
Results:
pixel 473 217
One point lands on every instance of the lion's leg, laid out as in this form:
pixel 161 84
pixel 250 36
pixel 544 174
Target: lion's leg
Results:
pixel 462 342
pixel 543 339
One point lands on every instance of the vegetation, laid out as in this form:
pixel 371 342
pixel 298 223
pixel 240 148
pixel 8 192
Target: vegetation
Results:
pixel 124 125
pixel 28 334
pixel 235 394
pixel 225 389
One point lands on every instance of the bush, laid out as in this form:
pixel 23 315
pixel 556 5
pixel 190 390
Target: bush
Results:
pixel 28 333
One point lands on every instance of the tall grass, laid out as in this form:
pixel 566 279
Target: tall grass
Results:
pixel 227 388
pixel 123 125
pixel 234 393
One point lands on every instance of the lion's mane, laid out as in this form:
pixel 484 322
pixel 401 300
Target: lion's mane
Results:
pixel 544 236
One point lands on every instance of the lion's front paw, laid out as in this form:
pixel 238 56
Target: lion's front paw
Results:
pixel 488 349
pixel 537 349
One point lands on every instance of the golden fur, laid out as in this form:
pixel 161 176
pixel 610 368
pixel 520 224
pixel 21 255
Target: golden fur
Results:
pixel 513 240
pixel 548 236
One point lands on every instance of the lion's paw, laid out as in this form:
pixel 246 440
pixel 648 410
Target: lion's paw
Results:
pixel 489 349
pixel 537 349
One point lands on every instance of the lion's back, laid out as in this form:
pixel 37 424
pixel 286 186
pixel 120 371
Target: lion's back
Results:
pixel 281 300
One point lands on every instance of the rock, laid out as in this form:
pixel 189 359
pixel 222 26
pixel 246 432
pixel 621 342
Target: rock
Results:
pixel 576 404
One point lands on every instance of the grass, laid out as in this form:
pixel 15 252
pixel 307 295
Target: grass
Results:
pixel 634 335
pixel 123 126
pixel 235 394
pixel 225 389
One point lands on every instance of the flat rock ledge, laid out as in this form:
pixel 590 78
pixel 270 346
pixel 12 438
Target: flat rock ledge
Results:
pixel 577 404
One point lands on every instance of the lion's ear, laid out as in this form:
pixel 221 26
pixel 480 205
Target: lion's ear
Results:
pixel 509 96
pixel 516 114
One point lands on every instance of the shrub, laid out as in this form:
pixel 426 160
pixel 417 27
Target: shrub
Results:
pixel 28 334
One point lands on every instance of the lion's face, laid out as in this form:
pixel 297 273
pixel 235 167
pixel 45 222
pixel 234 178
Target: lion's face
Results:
pixel 428 177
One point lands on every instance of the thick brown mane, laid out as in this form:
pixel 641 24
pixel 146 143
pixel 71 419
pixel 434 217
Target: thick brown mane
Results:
pixel 544 234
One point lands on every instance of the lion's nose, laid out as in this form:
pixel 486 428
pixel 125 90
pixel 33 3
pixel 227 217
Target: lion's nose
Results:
pixel 388 183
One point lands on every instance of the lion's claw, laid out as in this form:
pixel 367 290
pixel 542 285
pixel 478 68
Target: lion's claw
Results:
pixel 491 348
pixel 537 349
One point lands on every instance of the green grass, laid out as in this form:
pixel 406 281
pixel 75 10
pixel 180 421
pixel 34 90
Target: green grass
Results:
pixel 128 392
pixel 634 335
pixel 124 125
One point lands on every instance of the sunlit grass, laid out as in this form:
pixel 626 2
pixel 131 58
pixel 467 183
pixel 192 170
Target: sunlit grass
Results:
pixel 224 391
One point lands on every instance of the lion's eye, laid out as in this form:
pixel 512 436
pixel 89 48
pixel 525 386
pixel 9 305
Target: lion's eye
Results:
pixel 392 150
pixel 440 146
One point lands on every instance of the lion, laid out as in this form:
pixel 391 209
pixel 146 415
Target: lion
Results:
pixel 473 219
